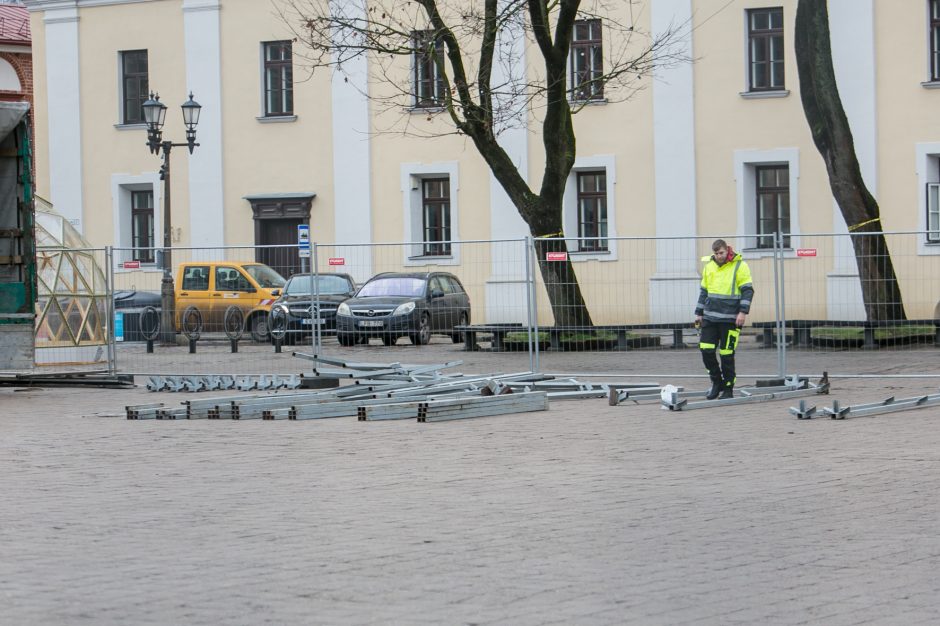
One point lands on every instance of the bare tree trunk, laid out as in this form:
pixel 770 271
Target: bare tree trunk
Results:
pixel 543 214
pixel 833 138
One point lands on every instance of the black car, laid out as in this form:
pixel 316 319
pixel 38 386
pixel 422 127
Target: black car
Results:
pixel 290 314
pixel 394 304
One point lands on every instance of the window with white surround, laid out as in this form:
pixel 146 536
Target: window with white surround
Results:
pixel 928 176
pixel 767 189
pixel 772 201
pixel 592 210
pixel 589 211
pixel 933 212
pixel 142 225
pixel 137 224
pixel 435 201
pixel 430 207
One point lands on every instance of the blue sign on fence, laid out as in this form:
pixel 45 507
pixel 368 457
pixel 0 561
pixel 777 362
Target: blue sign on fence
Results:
pixel 119 327
pixel 303 240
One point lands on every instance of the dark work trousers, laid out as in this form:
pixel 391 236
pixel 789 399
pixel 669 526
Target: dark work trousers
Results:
pixel 723 338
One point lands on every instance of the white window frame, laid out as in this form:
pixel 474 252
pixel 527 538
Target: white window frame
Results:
pixel 929 82
pixel 263 116
pixel 412 175
pixel 9 81
pixel 413 79
pixel 121 187
pixel 122 123
pixel 927 156
pixel 745 165
pixel 602 99
pixel 933 208
pixel 748 93
pixel 608 163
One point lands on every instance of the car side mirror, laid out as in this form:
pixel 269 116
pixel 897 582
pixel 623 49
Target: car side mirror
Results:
pixel 275 292
pixel 436 293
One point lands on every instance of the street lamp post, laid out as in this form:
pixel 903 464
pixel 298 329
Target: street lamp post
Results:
pixel 154 115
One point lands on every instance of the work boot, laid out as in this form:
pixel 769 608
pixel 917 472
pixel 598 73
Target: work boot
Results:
pixel 727 391
pixel 714 391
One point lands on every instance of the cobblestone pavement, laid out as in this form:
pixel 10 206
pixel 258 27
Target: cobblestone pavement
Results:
pixel 585 514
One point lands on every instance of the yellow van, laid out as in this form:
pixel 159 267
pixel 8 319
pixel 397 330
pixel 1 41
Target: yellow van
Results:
pixel 214 286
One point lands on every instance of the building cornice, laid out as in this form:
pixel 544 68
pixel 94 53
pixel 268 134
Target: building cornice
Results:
pixel 35 6
pixel 201 5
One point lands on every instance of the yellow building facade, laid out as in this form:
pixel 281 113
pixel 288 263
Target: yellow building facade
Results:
pixel 689 154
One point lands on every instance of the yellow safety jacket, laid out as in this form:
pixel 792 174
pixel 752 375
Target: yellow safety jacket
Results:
pixel 726 289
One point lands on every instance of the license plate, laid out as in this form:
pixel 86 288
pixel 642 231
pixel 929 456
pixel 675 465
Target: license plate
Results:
pixel 371 324
pixel 309 322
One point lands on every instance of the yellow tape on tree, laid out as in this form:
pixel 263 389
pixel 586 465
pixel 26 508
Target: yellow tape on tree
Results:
pixel 860 224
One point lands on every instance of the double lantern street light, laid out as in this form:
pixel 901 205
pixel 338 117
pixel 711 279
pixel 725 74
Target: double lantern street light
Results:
pixel 154 115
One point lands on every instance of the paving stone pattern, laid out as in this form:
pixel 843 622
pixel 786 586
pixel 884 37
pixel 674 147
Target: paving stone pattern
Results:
pixel 585 514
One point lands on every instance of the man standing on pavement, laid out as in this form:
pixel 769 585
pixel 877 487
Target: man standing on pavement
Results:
pixel 723 304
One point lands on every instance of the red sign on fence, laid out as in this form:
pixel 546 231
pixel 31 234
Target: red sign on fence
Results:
pixel 806 252
pixel 337 260
pixel 131 265
pixel 556 256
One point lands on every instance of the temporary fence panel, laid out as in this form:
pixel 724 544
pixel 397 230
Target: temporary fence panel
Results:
pixel 415 294
pixel 864 292
pixel 221 305
pixel 640 296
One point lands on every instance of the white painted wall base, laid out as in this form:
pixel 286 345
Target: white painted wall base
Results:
pixel 506 303
pixel 672 298
pixel 844 297
pixel 16 347
pixel 76 355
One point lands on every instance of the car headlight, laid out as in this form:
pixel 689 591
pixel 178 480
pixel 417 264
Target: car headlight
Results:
pixel 404 309
pixel 343 309
pixel 279 309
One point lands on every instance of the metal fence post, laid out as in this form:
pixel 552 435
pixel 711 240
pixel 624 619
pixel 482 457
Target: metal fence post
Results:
pixel 783 305
pixel 531 307
pixel 781 332
pixel 315 299
pixel 109 290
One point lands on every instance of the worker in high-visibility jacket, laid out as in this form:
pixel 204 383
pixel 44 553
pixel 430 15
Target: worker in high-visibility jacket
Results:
pixel 723 304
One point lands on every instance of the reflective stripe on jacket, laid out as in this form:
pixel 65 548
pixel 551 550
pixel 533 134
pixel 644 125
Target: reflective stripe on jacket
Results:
pixel 726 289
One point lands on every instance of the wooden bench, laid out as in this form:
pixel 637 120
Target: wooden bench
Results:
pixel 498 333
pixel 802 330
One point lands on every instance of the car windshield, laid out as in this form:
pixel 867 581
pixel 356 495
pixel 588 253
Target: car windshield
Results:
pixel 328 284
pixel 265 276
pixel 393 286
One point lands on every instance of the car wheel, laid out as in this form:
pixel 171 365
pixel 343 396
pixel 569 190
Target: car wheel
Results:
pixel 458 336
pixel 423 335
pixel 389 340
pixel 259 329
pixel 346 339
